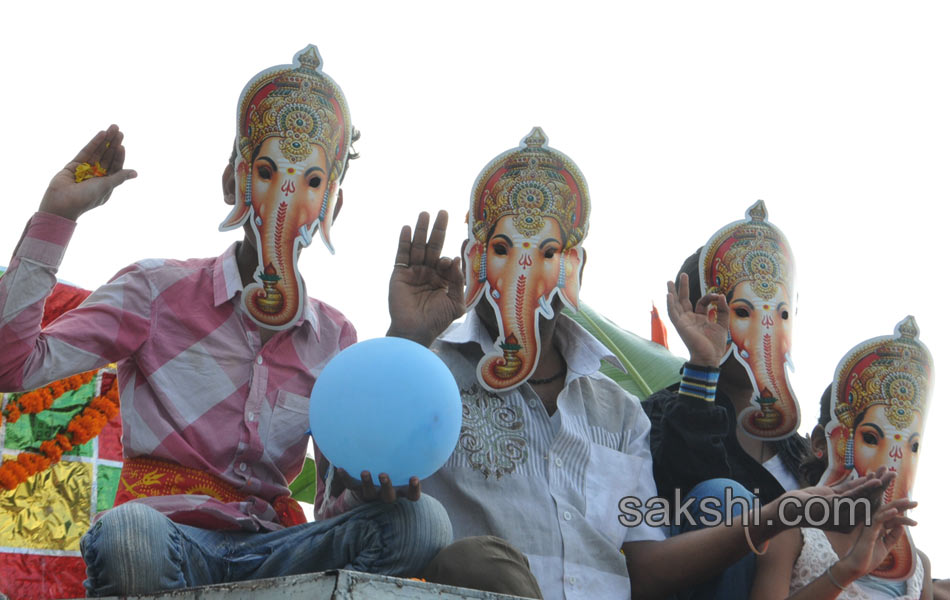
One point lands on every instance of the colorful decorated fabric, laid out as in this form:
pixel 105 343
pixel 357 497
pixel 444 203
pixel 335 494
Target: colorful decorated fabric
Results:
pixel 879 401
pixel 527 220
pixel 292 146
pixel 43 517
pixel 751 263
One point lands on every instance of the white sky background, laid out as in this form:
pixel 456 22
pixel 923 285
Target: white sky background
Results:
pixel 680 115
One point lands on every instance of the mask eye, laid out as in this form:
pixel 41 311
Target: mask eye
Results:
pixel 741 312
pixel 500 249
pixel 264 172
pixel 549 253
pixel 315 182
pixel 914 447
pixel 785 315
pixel 869 438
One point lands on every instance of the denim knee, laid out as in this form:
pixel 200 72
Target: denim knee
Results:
pixel 419 531
pixel 729 497
pixel 132 549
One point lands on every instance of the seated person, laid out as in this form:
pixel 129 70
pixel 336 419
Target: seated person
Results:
pixel 872 416
pixel 550 448
pixel 216 360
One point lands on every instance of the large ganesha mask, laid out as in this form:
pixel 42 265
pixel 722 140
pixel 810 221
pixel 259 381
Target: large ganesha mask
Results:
pixel 751 263
pixel 292 144
pixel 880 395
pixel 527 220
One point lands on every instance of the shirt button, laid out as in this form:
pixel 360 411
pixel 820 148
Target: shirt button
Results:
pixel 572 579
pixel 241 445
pixel 567 516
pixel 243 466
pixel 559 462
pixel 260 360
pixel 532 403
pixel 250 417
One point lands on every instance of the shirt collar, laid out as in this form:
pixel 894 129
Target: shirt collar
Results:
pixel 582 351
pixel 227 285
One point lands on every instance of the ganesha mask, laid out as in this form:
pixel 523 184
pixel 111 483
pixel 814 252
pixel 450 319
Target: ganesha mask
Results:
pixel 292 145
pixel 750 262
pixel 527 220
pixel 879 401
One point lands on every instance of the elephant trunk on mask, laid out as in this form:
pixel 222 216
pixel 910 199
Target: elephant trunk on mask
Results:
pixel 777 413
pixel 275 302
pixel 518 304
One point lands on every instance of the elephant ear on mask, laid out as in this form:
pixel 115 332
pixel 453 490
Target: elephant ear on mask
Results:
pixel 880 395
pixel 527 219
pixel 292 144
pixel 751 263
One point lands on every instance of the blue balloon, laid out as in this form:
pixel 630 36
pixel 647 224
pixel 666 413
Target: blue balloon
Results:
pixel 386 405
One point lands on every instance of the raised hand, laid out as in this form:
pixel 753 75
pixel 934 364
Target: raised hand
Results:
pixel 425 289
pixel 876 540
pixel 67 198
pixel 704 334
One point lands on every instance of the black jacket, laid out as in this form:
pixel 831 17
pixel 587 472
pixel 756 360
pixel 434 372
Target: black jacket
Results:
pixel 693 440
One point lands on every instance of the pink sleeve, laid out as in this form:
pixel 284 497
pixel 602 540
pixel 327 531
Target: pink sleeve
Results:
pixel 109 325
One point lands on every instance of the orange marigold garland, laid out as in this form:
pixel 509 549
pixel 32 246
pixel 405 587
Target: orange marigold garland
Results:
pixel 42 399
pixel 84 426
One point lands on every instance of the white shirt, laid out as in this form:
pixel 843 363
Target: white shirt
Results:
pixel 549 485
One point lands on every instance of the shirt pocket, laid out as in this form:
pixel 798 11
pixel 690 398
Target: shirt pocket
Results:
pixel 289 424
pixel 608 481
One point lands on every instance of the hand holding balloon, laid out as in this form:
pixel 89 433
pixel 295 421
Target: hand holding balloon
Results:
pixel 385 492
pixel 386 406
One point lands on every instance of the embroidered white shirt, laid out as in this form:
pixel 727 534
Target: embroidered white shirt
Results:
pixel 549 485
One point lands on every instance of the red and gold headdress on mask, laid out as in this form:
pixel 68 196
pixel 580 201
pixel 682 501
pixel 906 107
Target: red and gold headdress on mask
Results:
pixel 527 220
pixel 880 395
pixel 295 117
pixel 751 263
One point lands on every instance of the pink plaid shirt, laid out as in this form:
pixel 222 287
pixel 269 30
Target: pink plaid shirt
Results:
pixel 197 386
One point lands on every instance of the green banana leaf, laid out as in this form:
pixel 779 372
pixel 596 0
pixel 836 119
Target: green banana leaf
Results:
pixel 650 367
pixel 304 487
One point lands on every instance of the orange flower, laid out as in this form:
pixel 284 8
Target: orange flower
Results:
pixel 63 442
pixel 13 412
pixel 81 428
pixel 86 171
pixel 51 450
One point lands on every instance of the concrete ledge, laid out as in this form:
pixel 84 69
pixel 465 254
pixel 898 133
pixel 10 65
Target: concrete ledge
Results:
pixel 329 585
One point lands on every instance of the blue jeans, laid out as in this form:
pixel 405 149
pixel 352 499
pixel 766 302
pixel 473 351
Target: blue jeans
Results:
pixel 134 549
pixel 736 581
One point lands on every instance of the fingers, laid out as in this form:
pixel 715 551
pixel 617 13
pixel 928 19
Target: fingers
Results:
pixel 672 305
pixel 368 491
pixel 402 250
pixel 113 149
pixel 417 250
pixel 455 281
pixel 415 489
pixel 722 311
pixel 387 493
pixel 94 147
pixel 437 238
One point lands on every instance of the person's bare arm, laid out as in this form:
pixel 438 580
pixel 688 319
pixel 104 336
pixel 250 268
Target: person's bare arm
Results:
pixel 658 569
pixel 773 570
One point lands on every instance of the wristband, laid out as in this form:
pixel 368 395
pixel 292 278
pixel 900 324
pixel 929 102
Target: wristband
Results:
pixel 699 382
